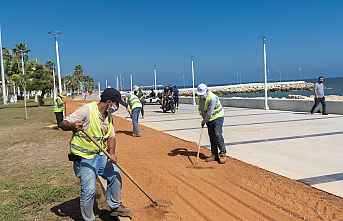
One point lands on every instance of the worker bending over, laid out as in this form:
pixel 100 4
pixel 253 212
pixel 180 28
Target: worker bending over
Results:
pixel 212 113
pixel 89 162
pixel 134 107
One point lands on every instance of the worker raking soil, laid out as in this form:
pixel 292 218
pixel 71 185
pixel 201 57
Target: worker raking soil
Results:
pixel 89 161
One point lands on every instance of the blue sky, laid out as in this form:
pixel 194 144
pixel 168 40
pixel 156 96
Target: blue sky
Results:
pixel 108 38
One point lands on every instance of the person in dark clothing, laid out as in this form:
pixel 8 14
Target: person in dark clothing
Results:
pixel 176 96
pixel 152 94
pixel 319 96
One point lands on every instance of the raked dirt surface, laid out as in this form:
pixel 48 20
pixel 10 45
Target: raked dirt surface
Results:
pixel 163 165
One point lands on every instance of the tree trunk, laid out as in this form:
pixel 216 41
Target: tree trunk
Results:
pixel 41 98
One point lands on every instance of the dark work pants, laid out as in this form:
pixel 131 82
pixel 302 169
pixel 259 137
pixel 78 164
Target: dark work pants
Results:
pixel 142 109
pixel 176 101
pixel 316 103
pixel 59 118
pixel 215 132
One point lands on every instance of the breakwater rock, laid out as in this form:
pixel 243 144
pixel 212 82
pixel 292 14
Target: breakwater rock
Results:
pixel 254 87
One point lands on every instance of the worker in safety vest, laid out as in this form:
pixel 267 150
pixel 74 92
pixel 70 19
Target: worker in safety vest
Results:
pixel 134 107
pixel 212 113
pixel 140 94
pixel 59 109
pixel 96 119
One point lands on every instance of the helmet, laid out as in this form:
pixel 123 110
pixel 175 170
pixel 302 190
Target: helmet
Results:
pixel 201 89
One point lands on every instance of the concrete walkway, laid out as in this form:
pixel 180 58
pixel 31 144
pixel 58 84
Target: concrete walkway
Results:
pixel 305 147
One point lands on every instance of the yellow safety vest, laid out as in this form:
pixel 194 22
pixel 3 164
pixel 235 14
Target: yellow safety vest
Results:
pixel 133 101
pixel 82 146
pixel 218 109
pixel 58 105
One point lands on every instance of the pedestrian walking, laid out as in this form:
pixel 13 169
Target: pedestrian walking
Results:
pixel 319 96
pixel 89 162
pixel 212 114
pixel 176 96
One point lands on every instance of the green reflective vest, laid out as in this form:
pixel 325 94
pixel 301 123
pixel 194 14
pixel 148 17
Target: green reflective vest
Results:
pixel 218 109
pixel 58 105
pixel 82 146
pixel 133 101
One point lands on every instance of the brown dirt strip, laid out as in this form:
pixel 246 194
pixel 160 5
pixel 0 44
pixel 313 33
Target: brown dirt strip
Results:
pixel 234 191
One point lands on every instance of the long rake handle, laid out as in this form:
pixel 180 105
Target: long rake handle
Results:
pixel 202 129
pixel 121 168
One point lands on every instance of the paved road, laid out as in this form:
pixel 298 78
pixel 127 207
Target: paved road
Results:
pixel 308 148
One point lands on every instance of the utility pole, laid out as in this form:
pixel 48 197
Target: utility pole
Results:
pixel 194 103
pixel 266 107
pixel 4 95
pixel 55 34
pixel 24 83
pixel 155 78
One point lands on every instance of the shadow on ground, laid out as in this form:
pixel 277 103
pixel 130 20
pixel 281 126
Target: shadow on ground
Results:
pixel 71 209
pixel 126 132
pixel 185 152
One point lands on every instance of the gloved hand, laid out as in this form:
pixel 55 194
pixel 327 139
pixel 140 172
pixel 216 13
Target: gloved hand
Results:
pixel 203 123
pixel 77 126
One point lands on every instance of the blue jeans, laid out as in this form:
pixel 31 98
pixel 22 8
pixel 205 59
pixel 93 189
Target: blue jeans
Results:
pixel 135 116
pixel 215 132
pixel 88 170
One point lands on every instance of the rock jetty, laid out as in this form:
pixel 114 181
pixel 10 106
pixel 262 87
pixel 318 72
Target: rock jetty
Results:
pixel 255 87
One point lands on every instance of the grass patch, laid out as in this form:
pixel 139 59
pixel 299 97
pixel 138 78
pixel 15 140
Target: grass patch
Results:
pixel 10 212
pixel 32 197
pixel 36 196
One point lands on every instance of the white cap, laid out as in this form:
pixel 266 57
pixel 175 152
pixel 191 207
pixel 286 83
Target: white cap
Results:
pixel 201 89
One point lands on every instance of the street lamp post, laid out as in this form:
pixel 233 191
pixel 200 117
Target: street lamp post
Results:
pixel 99 90
pixel 4 97
pixel 155 78
pixel 194 103
pixel 131 82
pixel 266 107
pixel 55 34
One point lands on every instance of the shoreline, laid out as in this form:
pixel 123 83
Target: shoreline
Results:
pixel 254 87
pixel 223 91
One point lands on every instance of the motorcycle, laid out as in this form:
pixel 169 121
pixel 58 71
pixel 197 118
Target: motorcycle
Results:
pixel 168 105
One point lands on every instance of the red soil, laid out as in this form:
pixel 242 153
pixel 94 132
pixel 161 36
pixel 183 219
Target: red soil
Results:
pixel 162 165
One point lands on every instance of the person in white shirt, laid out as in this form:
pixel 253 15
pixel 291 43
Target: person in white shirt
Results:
pixel 319 96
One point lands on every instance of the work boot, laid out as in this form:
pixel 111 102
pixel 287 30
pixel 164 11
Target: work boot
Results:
pixel 211 158
pixel 121 211
pixel 222 158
